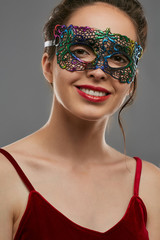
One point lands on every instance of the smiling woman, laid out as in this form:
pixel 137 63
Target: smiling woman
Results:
pixel 73 184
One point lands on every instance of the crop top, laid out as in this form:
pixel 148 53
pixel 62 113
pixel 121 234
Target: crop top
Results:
pixel 42 221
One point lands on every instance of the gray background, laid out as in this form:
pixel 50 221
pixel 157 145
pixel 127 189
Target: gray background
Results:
pixel 25 97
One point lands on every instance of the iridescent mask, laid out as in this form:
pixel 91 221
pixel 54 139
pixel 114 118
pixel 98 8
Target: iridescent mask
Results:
pixel 81 48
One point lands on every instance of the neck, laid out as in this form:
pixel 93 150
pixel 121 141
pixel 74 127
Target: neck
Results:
pixel 74 138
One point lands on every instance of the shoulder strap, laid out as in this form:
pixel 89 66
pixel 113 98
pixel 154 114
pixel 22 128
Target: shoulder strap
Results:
pixel 18 169
pixel 137 176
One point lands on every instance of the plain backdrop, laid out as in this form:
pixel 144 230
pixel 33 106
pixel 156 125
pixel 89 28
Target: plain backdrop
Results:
pixel 25 97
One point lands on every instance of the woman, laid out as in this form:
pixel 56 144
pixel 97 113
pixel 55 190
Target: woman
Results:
pixel 75 185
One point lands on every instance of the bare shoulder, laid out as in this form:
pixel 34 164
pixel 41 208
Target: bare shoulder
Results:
pixel 10 183
pixel 6 172
pixel 7 194
pixel 150 193
pixel 151 175
pixel 150 181
pixel 13 193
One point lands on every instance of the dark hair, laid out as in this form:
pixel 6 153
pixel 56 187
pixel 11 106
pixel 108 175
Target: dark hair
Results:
pixel 133 8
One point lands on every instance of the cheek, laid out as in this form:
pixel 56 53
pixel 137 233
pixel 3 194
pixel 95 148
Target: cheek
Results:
pixel 63 83
pixel 59 84
pixel 121 91
pixel 125 90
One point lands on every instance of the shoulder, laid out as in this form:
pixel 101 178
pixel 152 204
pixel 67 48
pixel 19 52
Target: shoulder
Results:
pixel 150 180
pixel 7 196
pixel 6 170
pixel 8 178
pixel 10 181
pixel 150 193
pixel 151 175
pixel 13 194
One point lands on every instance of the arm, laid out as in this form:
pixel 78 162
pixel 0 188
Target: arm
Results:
pixel 150 190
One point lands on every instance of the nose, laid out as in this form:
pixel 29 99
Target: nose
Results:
pixel 97 74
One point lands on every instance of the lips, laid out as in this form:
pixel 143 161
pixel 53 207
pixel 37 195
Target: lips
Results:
pixel 90 87
pixel 92 93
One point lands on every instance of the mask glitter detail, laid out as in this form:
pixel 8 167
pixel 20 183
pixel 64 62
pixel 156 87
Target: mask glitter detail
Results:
pixel 81 48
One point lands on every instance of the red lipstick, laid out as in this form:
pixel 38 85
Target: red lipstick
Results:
pixel 92 98
pixel 100 89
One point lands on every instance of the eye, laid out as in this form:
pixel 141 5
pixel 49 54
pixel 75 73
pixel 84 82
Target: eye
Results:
pixel 83 52
pixel 80 52
pixel 118 60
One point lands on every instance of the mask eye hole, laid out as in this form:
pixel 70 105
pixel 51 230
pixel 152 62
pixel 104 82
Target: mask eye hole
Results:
pixel 82 52
pixel 118 60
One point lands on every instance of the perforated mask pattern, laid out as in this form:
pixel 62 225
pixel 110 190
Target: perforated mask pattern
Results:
pixel 115 54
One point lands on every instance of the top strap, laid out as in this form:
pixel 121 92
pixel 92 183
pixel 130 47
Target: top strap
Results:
pixel 137 176
pixel 18 169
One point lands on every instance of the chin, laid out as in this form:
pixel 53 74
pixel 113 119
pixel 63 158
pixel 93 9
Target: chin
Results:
pixel 91 117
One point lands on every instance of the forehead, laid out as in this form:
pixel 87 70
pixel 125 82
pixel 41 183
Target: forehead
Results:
pixel 102 16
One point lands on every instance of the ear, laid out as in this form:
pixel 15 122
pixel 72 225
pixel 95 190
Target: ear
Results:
pixel 47 67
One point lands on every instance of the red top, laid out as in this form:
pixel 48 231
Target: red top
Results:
pixel 43 221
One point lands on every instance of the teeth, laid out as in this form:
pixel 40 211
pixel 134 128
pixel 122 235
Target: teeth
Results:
pixel 93 93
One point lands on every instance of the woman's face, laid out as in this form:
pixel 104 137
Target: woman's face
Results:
pixel 71 89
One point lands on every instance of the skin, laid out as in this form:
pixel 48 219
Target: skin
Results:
pixel 68 160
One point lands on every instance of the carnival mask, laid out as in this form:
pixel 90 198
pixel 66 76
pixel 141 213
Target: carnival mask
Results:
pixel 82 48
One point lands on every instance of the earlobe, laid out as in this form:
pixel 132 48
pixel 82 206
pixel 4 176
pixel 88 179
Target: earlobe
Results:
pixel 47 68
